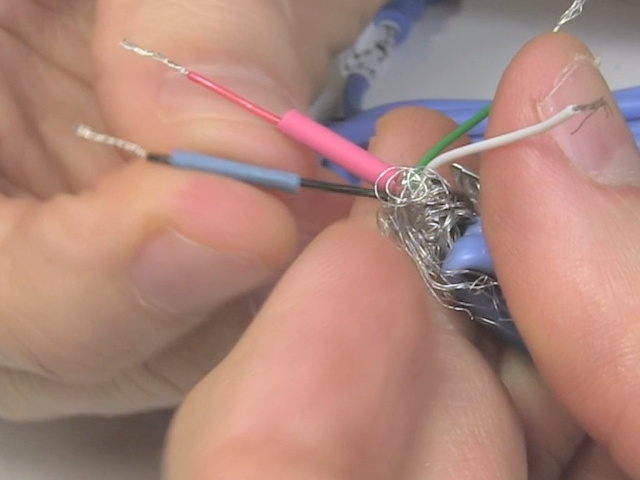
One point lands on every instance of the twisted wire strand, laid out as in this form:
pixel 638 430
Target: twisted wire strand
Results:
pixel 425 217
pixel 574 11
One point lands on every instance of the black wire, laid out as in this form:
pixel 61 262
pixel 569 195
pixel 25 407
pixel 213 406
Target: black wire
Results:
pixel 341 188
pixel 304 182
pixel 159 157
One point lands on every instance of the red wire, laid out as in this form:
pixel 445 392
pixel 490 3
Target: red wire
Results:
pixel 309 133
pixel 237 99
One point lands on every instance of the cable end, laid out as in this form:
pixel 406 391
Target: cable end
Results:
pixel 158 57
pixel 84 131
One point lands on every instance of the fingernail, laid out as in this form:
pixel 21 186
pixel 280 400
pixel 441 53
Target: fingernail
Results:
pixel 181 98
pixel 598 143
pixel 179 276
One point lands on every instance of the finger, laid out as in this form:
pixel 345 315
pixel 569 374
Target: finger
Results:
pixel 211 37
pixel 450 433
pixel 160 381
pixel 552 434
pixel 419 129
pixel 347 371
pixel 593 463
pixel 560 215
pixel 315 371
pixel 275 54
pixel 93 284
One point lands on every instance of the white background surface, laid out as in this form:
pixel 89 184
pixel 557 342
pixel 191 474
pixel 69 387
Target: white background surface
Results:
pixel 458 50
pixel 126 448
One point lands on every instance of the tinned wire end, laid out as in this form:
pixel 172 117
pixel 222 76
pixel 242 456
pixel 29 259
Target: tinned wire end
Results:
pixel 571 13
pixel 157 56
pixel 86 132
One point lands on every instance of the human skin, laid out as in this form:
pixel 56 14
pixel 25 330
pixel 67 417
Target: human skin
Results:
pixel 351 371
pixel 123 284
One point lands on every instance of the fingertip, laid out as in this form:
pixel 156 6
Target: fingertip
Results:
pixel 529 78
pixel 402 136
pixel 217 212
pixel 564 238
pixel 532 73
pixel 314 355
pixel 524 182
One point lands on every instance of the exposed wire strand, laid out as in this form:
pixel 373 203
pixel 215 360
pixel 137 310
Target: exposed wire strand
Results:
pixel 86 132
pixel 572 12
pixel 158 57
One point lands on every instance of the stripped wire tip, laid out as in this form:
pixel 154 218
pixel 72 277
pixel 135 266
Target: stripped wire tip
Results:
pixel 86 132
pixel 202 81
pixel 157 56
pixel 574 11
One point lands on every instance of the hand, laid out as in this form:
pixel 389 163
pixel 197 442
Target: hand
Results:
pixel 123 283
pixel 351 369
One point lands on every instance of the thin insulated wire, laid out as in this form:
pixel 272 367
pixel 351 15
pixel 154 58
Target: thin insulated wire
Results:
pixel 361 128
pixel 456 134
pixel 293 124
pixel 357 85
pixel 202 81
pixel 517 135
pixel 253 174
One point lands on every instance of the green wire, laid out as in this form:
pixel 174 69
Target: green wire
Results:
pixel 455 135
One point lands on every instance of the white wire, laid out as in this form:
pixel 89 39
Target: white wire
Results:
pixel 516 136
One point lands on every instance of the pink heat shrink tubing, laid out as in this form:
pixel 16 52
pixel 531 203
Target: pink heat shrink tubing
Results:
pixel 332 146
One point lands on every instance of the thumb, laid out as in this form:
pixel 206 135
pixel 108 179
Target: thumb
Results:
pixel 561 215
pixel 329 377
pixel 95 283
